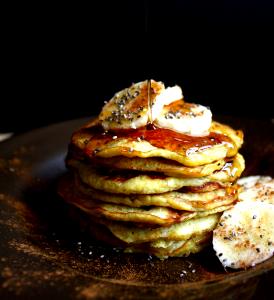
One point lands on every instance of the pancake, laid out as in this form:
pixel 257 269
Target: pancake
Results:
pixel 134 183
pixel 161 248
pixel 173 248
pixel 167 167
pixel 147 214
pixel 233 167
pixel 231 171
pixel 221 142
pixel 177 232
pixel 142 183
pixel 175 199
pixel 206 187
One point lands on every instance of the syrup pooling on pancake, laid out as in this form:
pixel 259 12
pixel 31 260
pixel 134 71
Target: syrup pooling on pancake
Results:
pixel 157 142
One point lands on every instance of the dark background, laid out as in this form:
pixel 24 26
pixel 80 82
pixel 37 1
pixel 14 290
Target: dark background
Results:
pixel 62 61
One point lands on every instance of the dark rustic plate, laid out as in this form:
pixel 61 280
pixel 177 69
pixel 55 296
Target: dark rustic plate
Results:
pixel 43 254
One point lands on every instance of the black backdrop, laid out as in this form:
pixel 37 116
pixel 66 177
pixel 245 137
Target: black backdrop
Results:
pixel 62 61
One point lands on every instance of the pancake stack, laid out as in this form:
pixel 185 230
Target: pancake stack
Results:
pixel 152 189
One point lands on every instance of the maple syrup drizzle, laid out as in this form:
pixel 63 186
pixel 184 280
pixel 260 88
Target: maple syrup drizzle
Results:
pixel 149 101
pixel 157 137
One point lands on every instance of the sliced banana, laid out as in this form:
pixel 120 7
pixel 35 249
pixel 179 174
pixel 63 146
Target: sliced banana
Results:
pixel 166 97
pixel 188 118
pixel 130 108
pixel 244 236
pixel 257 188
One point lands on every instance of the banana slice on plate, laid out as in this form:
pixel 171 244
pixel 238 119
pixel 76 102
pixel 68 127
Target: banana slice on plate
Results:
pixel 131 108
pixel 244 236
pixel 256 188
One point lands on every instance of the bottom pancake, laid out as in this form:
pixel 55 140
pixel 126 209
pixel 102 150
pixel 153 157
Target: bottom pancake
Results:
pixel 161 248
pixel 176 232
pixel 174 248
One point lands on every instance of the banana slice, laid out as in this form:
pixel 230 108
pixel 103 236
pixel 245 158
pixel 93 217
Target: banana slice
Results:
pixel 166 97
pixel 129 107
pixel 188 118
pixel 257 188
pixel 244 236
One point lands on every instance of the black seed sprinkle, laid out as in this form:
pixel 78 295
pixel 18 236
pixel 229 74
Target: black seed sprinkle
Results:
pixel 254 217
pixel 269 243
pixel 258 250
pixel 261 236
pixel 221 224
pixel 220 254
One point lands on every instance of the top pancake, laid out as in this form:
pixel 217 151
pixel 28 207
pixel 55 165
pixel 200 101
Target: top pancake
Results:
pixel 92 141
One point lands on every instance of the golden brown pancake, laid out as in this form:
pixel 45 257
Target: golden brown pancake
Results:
pixel 93 141
pixel 118 182
pixel 176 232
pixel 173 248
pixel 154 164
pixel 178 200
pixel 161 248
pixel 163 216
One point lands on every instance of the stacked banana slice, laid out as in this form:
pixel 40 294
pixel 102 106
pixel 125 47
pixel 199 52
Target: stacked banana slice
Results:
pixel 153 173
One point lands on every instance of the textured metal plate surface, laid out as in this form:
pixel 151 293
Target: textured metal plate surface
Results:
pixel 44 254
